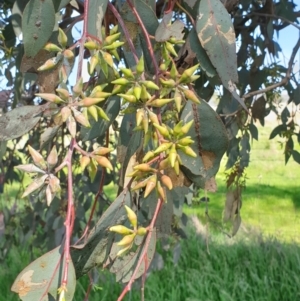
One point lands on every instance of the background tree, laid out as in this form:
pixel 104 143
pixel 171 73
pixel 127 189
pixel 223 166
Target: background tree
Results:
pixel 141 121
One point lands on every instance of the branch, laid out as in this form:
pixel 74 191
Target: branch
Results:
pixel 275 17
pixel 70 215
pixel 127 35
pixel 146 35
pixel 145 249
pixel 83 37
pixel 284 80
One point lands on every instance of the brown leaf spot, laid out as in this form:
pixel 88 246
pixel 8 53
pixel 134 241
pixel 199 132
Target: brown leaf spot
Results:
pixel 211 185
pixel 208 159
pixel 43 264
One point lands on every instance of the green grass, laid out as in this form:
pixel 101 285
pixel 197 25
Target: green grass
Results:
pixel 260 270
pixel 271 201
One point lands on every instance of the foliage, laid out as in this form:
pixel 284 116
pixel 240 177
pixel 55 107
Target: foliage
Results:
pixel 257 264
pixel 151 66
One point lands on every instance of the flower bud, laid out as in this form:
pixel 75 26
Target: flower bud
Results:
pixel 62 38
pixel 151 183
pixel 189 94
pixel 140 115
pixel 121 229
pixel 63 93
pixel 140 65
pixel 159 102
pixel 148 156
pixel 52 47
pixel 127 73
pixel 37 158
pixel 163 147
pixel 162 130
pixel 103 161
pixel 126 240
pixel 131 216
pixel 150 85
pixel 89 101
pixel 84 162
pixel 50 97
pixel 186 75
pixel 93 112
pixel 167 181
pixel 170 48
pixel 129 98
pixel 172 155
pixel 111 38
pixel 141 231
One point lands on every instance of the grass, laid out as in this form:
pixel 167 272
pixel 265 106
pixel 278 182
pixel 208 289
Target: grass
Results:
pixel 271 201
pixel 260 270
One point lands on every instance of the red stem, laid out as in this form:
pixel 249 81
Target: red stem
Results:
pixel 144 252
pixel 128 38
pixel 70 214
pixel 146 35
pixel 83 37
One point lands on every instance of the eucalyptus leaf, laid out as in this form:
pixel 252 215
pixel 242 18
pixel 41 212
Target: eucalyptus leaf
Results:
pixel 41 279
pixel 20 121
pixel 37 24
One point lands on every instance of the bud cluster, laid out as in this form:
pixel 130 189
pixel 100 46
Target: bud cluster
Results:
pixel 129 234
pixel 43 168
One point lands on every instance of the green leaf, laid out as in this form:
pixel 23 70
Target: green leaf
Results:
pixel 98 244
pixel 146 11
pixel 277 130
pixel 62 4
pixel 124 266
pixel 217 36
pixel 296 156
pixel 96 12
pixel 19 121
pixel 202 57
pixel 37 25
pixel 48 135
pixel 211 142
pixel 16 17
pixel 254 131
pixel 41 279
pixel 99 128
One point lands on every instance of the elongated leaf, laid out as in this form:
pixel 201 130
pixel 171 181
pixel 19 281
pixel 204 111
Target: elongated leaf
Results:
pixel 37 25
pixel 96 11
pixel 98 244
pixel 211 142
pixel 201 54
pixel 20 121
pixel 40 280
pixel 62 4
pixel 216 35
pixel 48 135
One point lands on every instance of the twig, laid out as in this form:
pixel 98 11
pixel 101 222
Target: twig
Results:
pixel 144 252
pixel 186 12
pixel 146 35
pixel 283 81
pixel 128 38
pixel 83 37
pixel 70 215
pixel 275 17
